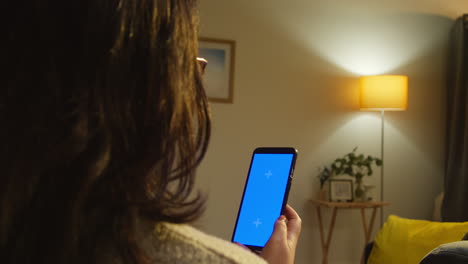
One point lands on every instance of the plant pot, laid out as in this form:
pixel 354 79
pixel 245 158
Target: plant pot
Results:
pixel 359 192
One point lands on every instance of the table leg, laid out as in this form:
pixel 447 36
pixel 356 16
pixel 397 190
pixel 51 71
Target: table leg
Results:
pixel 364 224
pixel 371 224
pixel 367 228
pixel 326 243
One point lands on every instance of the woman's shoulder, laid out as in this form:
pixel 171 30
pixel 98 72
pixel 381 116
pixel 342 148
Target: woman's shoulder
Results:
pixel 181 243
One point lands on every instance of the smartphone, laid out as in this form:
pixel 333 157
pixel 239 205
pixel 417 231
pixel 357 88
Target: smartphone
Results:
pixel 265 195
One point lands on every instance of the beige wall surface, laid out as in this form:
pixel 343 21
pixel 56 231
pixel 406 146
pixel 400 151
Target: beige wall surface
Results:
pixel 296 84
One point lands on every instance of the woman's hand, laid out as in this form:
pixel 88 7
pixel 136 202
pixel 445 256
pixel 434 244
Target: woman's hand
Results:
pixel 281 247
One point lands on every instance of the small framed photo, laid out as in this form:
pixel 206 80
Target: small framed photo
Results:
pixel 218 78
pixel 341 190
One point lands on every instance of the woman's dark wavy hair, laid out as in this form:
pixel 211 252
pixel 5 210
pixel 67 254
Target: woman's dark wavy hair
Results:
pixel 103 122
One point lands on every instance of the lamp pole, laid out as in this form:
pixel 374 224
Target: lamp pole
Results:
pixel 382 114
pixel 380 93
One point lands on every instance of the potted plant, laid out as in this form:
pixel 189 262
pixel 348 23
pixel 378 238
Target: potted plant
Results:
pixel 354 165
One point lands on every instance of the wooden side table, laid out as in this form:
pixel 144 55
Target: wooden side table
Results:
pixel 345 205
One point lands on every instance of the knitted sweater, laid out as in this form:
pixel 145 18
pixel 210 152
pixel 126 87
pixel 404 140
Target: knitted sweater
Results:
pixel 183 244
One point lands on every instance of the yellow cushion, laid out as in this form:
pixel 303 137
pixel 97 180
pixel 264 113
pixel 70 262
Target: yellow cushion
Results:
pixel 407 241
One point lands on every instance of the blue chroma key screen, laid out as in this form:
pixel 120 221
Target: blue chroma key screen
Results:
pixel 263 198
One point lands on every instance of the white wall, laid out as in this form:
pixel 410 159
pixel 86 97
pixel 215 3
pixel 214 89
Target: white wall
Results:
pixel 296 85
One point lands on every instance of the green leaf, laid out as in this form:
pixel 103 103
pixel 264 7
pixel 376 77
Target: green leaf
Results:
pixel 352 164
pixel 349 171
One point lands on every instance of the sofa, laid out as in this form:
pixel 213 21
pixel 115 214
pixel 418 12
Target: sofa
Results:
pixel 410 241
pixel 450 253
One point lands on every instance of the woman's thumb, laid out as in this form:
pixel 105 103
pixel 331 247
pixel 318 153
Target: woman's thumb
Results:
pixel 280 231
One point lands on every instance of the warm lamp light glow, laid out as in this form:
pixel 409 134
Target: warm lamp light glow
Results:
pixel 384 92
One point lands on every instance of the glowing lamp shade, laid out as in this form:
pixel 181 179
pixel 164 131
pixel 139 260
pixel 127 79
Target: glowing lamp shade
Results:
pixel 384 92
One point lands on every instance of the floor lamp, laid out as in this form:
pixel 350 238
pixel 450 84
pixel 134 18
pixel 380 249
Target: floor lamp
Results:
pixel 383 93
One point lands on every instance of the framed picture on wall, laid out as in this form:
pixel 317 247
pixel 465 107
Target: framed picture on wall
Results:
pixel 219 73
pixel 341 190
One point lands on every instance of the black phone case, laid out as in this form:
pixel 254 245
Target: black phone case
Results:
pixel 268 150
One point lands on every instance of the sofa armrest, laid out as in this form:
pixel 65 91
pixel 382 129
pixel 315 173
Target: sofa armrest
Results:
pixel 451 253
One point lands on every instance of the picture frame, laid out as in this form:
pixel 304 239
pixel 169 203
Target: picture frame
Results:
pixel 341 190
pixel 218 78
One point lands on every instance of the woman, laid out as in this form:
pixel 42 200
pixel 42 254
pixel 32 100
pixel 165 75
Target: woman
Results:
pixel 104 121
